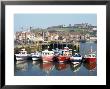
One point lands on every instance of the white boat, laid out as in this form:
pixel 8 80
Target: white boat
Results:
pixel 76 58
pixel 35 56
pixel 22 55
pixel 56 52
pixel 47 56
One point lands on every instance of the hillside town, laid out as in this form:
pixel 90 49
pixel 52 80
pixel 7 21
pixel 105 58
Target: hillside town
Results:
pixel 83 32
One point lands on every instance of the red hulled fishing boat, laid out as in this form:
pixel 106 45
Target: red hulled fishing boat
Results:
pixel 90 57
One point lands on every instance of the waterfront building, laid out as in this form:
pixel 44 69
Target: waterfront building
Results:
pixel 25 36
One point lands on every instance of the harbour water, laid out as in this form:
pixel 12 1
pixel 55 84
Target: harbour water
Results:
pixel 37 68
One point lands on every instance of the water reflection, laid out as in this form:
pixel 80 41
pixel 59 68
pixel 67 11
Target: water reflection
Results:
pixel 61 66
pixel 75 67
pixel 21 66
pixel 47 67
pixel 90 66
pixel 35 65
pixel 37 68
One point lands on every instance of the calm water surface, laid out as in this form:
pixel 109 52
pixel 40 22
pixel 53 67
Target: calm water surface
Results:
pixel 36 68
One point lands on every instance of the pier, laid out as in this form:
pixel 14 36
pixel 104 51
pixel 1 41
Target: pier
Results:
pixel 40 46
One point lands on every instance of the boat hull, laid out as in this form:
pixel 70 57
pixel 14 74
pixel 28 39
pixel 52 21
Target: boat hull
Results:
pixel 63 58
pixel 90 59
pixel 35 58
pixel 47 58
pixel 20 58
pixel 75 60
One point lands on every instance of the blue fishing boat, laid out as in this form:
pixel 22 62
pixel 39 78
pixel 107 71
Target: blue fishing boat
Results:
pixel 76 58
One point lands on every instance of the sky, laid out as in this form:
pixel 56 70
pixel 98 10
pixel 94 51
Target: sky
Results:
pixel 47 20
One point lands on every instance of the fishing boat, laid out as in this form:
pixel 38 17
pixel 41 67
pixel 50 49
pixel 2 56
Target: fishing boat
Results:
pixel 76 58
pixel 56 52
pixel 65 55
pixel 22 55
pixel 36 55
pixel 90 57
pixel 47 56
